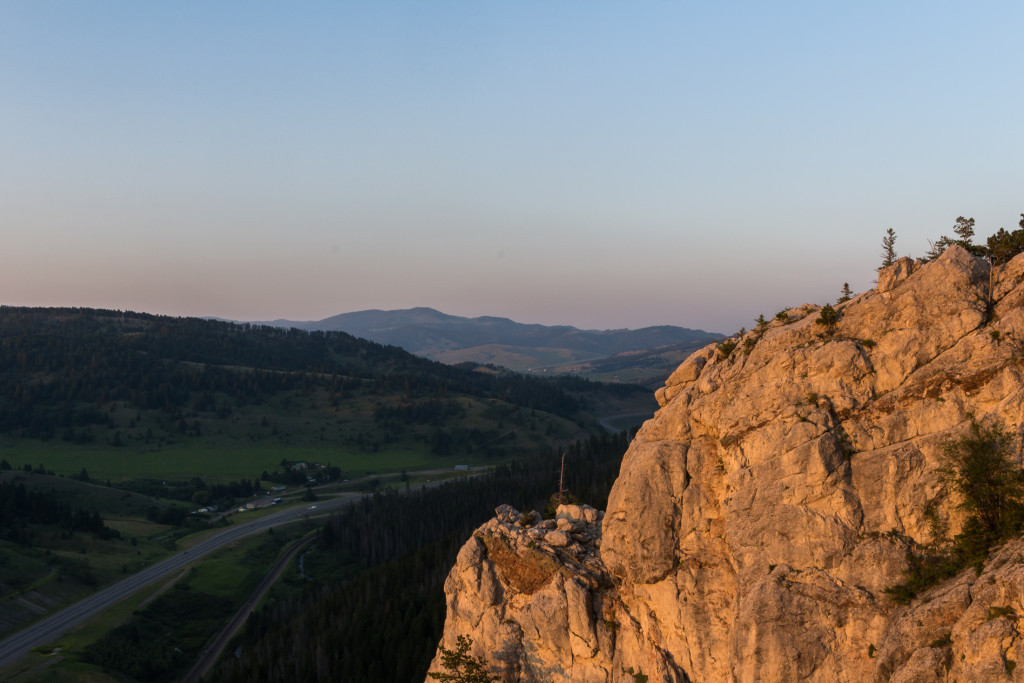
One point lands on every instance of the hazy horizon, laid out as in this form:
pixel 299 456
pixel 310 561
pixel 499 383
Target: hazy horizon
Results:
pixel 398 310
pixel 593 165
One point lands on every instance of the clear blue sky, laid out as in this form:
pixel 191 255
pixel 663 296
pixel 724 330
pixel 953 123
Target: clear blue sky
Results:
pixel 596 164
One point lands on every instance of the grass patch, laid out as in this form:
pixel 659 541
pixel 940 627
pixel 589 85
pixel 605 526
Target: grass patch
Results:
pixel 236 570
pixel 223 464
pixel 69 668
pixel 162 640
pixel 19 570
pixel 998 612
pixel 137 528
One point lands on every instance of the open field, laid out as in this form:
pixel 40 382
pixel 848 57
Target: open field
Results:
pixel 246 446
pixel 218 465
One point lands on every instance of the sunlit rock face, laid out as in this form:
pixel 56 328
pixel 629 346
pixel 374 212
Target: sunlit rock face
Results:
pixel 759 515
pixel 534 597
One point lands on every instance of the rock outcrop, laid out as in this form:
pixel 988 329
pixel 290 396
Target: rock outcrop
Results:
pixel 758 517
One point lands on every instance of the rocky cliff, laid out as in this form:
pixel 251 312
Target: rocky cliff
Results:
pixel 759 515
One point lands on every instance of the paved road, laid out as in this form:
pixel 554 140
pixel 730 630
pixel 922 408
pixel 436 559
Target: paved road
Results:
pixel 50 629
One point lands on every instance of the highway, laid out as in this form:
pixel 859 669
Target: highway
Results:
pixel 51 628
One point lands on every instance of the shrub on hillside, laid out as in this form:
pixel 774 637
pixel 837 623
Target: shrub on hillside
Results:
pixel 982 470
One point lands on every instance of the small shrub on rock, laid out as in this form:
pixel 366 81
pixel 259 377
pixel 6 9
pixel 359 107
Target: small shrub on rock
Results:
pixel 981 470
pixel 726 348
pixel 462 667
pixel 828 316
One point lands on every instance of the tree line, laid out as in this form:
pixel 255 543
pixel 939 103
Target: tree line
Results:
pixel 999 248
pixel 22 506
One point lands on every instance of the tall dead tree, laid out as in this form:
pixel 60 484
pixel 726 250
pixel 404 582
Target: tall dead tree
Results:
pixel 561 482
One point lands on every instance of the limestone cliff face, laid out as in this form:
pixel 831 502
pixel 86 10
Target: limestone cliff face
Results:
pixel 758 516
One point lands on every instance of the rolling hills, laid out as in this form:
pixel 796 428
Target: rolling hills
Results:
pixel 643 356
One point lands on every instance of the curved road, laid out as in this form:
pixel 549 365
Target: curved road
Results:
pixel 50 629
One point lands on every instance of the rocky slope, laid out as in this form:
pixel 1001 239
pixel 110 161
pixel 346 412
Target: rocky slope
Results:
pixel 759 515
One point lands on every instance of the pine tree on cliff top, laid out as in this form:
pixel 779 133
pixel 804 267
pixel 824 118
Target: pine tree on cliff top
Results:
pixel 888 249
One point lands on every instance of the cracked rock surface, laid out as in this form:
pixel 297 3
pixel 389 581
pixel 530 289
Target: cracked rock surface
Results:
pixel 759 515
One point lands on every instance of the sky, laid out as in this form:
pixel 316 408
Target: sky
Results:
pixel 603 165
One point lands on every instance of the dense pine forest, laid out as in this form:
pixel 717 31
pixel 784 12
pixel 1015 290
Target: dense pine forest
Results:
pixel 57 364
pixel 373 609
pixel 134 382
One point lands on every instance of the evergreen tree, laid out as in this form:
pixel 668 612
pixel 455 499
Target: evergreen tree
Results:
pixel 828 317
pixel 846 293
pixel 964 228
pixel 1004 245
pixel 462 667
pixel 888 249
pixel 980 469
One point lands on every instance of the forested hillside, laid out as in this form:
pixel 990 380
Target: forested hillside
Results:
pixel 53 359
pixel 141 382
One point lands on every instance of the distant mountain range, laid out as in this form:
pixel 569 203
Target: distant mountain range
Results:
pixel 646 355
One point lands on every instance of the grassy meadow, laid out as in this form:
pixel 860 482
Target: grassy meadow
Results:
pixel 141 444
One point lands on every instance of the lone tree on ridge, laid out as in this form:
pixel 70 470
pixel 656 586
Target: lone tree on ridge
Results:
pixel 847 293
pixel 888 248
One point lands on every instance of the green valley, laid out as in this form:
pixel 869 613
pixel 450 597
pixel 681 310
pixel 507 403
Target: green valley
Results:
pixel 126 395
